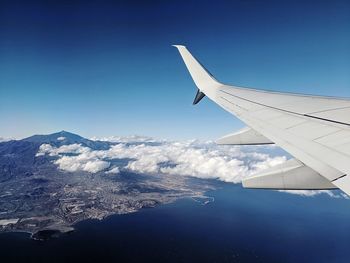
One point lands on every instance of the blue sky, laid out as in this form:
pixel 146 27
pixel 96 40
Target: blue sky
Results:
pixel 100 68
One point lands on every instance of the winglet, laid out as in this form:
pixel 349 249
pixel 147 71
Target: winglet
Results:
pixel 199 96
pixel 201 77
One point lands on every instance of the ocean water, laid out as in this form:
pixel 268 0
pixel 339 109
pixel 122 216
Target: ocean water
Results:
pixel 241 225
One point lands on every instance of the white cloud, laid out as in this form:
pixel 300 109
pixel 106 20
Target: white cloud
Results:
pixel 125 139
pixel 78 163
pixel 313 193
pixel 83 158
pixel 61 138
pixel 192 158
pixel 95 166
pixel 188 158
pixel 44 149
pixel 114 170
pixel 70 148
pixel 185 158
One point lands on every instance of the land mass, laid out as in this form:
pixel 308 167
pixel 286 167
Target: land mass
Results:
pixel 39 198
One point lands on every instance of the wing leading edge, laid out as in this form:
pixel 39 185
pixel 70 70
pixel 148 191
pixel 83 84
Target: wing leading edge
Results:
pixel 314 129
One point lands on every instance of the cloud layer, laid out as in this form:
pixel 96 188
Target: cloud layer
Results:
pixel 189 158
pixel 185 158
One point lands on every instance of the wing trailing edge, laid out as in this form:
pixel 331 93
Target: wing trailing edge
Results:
pixel 291 175
pixel 245 136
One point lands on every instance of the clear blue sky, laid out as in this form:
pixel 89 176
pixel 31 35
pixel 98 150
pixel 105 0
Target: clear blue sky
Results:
pixel 107 67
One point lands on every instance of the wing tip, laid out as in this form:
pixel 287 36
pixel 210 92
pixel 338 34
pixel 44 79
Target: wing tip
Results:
pixel 179 46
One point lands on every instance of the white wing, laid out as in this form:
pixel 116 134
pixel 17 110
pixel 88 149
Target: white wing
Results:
pixel 314 129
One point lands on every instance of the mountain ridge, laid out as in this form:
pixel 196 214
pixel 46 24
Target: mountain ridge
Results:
pixel 64 137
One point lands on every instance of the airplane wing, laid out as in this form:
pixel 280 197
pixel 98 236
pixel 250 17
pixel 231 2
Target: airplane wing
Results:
pixel 315 130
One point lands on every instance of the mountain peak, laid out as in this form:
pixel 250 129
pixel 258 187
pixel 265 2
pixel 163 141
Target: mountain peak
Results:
pixel 65 138
pixel 54 137
pixel 65 132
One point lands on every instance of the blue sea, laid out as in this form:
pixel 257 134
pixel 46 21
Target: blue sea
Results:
pixel 241 225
